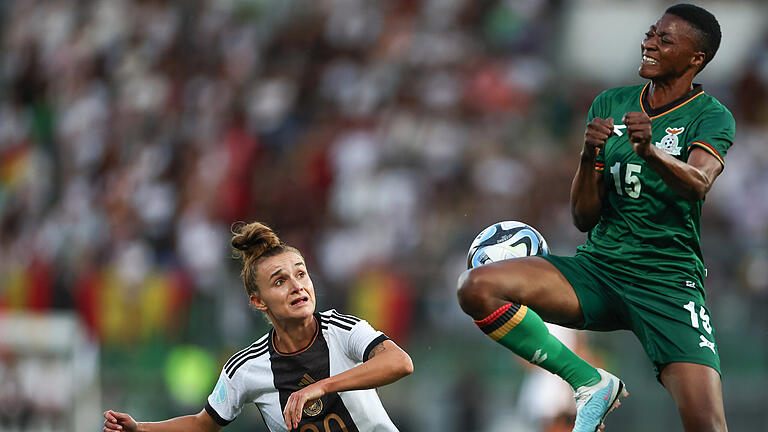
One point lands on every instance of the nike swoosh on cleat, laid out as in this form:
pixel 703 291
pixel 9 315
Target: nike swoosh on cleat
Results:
pixel 610 390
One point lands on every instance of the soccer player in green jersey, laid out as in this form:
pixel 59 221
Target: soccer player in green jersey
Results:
pixel 651 152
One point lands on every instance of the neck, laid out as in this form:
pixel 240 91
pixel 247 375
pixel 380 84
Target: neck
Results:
pixel 661 92
pixel 294 335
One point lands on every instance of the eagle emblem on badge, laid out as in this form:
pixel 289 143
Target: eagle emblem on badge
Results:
pixel 670 142
pixel 314 409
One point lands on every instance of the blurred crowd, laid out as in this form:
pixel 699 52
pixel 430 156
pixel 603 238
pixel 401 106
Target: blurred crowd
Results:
pixel 376 136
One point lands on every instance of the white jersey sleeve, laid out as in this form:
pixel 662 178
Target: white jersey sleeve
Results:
pixel 235 390
pixel 359 338
pixel 225 402
pixel 350 341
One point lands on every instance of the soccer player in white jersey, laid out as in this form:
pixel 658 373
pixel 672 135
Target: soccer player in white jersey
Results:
pixel 301 375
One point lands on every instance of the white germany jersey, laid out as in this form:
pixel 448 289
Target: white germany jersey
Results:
pixel 266 377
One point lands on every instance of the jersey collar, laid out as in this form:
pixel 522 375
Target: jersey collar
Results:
pixel 314 337
pixel 660 111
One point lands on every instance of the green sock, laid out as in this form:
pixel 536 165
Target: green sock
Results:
pixel 523 332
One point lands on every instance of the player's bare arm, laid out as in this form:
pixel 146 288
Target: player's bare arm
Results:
pixel 386 364
pixel 122 422
pixel 587 191
pixel 377 349
pixel 692 179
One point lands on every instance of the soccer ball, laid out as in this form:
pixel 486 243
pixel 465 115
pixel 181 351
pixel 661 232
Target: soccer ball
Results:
pixel 505 240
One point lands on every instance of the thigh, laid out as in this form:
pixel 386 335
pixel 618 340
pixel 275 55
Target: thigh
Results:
pixel 697 392
pixel 672 327
pixel 531 281
pixel 598 291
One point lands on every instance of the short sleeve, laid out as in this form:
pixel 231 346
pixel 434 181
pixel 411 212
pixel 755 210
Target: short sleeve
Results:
pixel 714 133
pixel 593 109
pixel 362 337
pixel 225 402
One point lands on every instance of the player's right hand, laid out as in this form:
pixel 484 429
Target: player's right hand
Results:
pixel 598 132
pixel 119 422
pixel 299 400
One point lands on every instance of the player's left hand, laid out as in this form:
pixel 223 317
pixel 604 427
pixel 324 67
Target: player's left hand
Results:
pixel 299 400
pixel 639 132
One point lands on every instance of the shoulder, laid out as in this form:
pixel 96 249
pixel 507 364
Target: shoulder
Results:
pixel 253 352
pixel 713 108
pixel 332 319
pixel 713 117
pixel 605 103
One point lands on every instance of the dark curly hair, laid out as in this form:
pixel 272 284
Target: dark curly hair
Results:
pixel 706 27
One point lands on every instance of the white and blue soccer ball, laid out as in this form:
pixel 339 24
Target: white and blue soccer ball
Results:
pixel 505 240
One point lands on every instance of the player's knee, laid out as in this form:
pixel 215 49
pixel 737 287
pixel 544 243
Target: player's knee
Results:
pixel 473 293
pixel 702 421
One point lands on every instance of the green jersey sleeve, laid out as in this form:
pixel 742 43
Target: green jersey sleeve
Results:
pixel 714 133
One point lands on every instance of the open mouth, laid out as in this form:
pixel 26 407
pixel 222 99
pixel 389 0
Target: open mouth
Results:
pixel 649 60
pixel 300 301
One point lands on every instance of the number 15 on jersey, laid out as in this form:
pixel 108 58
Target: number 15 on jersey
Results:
pixel 631 185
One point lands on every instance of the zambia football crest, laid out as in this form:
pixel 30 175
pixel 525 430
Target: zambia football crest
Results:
pixel 670 143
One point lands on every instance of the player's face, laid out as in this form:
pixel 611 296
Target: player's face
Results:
pixel 669 49
pixel 285 289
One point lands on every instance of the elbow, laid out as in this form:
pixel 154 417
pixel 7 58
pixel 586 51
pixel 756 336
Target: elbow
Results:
pixel 701 190
pixel 582 226
pixel 405 365
pixel 585 214
pixel 696 192
pixel 696 196
pixel 583 223
pixel 696 187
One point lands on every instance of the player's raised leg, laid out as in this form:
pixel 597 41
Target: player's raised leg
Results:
pixel 501 297
pixel 697 392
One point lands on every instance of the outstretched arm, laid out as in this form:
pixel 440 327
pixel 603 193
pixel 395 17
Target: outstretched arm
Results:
pixel 121 422
pixel 587 189
pixel 691 180
pixel 386 364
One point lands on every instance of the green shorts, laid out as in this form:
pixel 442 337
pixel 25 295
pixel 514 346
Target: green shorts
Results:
pixel 669 318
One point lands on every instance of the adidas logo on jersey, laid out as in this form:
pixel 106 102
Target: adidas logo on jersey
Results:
pixel 306 380
pixel 670 142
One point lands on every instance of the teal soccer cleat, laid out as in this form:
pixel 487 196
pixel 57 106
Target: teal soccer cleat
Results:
pixel 595 402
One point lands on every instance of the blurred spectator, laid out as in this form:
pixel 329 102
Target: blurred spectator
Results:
pixel 377 136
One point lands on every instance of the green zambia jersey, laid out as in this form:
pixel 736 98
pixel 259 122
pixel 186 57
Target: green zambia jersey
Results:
pixel 646 229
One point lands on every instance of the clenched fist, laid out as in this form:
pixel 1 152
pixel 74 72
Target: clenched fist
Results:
pixel 639 131
pixel 598 132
